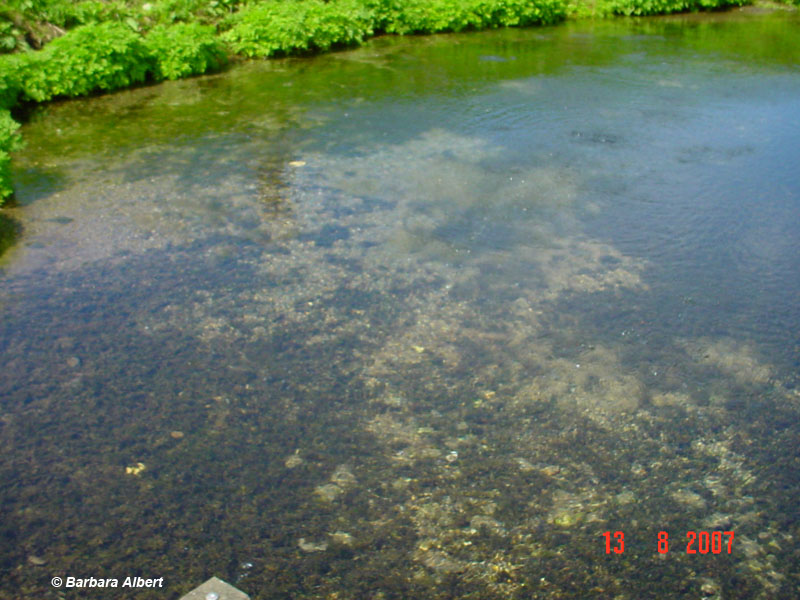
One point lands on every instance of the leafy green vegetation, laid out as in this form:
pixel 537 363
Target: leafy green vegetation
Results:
pixel 104 56
pixel 184 49
pixel 283 27
pixel 11 68
pixel 26 24
pixel 9 141
pixel 661 7
pixel 164 12
pixel 99 57
pixel 431 16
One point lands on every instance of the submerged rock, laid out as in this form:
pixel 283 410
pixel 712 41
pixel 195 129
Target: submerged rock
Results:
pixel 441 562
pixel 329 491
pixel 688 499
pixel 341 538
pixel 566 517
pixel 487 523
pixel 293 461
pixel 135 469
pixel 342 476
pixel 307 546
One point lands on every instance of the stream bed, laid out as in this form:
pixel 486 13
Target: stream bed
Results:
pixel 423 319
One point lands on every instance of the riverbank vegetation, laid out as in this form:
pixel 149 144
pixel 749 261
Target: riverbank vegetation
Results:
pixel 61 48
pixel 9 141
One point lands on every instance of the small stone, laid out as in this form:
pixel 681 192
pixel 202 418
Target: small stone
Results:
pixel 342 538
pixel 135 469
pixel 525 465
pixel 479 521
pixel 329 491
pixel 401 483
pixel 73 361
pixel 709 588
pixel 176 434
pixel 567 518
pixel 307 546
pixel 689 499
pixel 626 497
pixel 293 461
pixel 441 562
pixel 297 163
pixel 342 476
pixel 718 521
pixel 37 561
pixel 429 453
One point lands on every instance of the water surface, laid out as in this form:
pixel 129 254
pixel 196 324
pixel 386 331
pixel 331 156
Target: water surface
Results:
pixel 422 319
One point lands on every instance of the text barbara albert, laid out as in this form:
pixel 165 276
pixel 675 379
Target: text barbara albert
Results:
pixel 112 582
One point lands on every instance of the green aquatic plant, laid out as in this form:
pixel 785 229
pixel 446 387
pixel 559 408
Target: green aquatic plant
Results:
pixel 9 141
pixel 8 231
pixel 184 49
pixel 11 70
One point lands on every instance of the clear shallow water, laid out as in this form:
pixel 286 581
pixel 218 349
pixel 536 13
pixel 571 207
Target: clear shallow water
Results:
pixel 418 320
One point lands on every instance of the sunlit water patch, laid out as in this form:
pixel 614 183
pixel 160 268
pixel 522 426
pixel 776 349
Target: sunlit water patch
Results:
pixel 418 320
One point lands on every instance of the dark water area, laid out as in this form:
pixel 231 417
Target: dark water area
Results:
pixel 422 319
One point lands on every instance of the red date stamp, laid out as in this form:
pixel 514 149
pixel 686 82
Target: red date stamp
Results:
pixel 697 542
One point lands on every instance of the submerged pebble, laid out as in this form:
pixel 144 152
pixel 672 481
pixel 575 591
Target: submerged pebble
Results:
pixel 307 546
pixel 135 469
pixel 293 461
pixel 551 470
pixel 689 499
pixel 342 538
pixel 342 476
pixel 329 491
